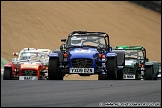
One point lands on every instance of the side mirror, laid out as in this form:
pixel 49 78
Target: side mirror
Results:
pixel 15 54
pixel 63 40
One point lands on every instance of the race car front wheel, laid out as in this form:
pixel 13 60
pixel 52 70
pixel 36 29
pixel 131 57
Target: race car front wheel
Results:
pixel 111 68
pixel 53 69
pixel 149 72
pixel 7 74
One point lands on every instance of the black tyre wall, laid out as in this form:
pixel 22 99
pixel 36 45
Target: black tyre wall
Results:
pixel 149 71
pixel 111 68
pixel 7 73
pixel 53 68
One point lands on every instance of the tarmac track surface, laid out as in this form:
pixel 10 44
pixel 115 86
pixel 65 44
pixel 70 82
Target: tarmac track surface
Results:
pixel 83 93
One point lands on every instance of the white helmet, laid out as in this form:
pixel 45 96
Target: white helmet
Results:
pixel 76 41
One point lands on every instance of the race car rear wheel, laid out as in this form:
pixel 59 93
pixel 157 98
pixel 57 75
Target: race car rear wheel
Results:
pixel 149 72
pixel 7 74
pixel 53 69
pixel 111 68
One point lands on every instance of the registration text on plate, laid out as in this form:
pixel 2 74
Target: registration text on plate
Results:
pixel 81 70
pixel 28 77
pixel 128 76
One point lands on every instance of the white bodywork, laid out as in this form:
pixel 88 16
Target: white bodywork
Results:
pixel 32 56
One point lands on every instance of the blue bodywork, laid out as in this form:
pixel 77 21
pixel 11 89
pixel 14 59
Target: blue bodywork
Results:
pixel 88 53
pixel 85 53
pixel 53 55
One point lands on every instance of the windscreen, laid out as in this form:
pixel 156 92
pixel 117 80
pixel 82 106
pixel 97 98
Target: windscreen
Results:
pixel 32 56
pixel 135 54
pixel 86 40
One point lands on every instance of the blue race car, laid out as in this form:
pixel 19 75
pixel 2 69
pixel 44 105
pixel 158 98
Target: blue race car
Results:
pixel 86 53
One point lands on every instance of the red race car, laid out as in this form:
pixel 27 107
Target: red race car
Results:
pixel 31 64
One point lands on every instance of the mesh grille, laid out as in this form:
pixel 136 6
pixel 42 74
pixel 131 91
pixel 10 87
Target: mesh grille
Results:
pixel 29 72
pixel 82 63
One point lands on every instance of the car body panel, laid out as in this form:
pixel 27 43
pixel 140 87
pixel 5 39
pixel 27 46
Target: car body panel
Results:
pixel 33 66
pixel 91 51
pixel 136 62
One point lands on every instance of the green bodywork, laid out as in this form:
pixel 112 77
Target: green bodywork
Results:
pixel 133 62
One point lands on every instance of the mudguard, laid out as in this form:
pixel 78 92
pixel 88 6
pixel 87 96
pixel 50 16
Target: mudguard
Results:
pixel 120 57
pixel 7 65
pixel 60 54
pixel 155 66
pixel 110 55
pixel 53 55
pixel 10 65
pixel 148 63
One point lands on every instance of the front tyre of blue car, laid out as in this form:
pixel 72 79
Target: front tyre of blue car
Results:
pixel 53 73
pixel 111 68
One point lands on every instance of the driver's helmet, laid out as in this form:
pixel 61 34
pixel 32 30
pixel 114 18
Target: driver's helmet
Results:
pixel 140 57
pixel 76 41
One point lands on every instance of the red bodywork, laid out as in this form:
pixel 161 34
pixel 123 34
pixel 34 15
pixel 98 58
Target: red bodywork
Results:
pixel 17 70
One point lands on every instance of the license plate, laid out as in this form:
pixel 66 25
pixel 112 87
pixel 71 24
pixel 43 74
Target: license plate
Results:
pixel 28 77
pixel 81 70
pixel 128 76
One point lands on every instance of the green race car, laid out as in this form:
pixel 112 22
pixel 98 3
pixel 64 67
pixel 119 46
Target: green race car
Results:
pixel 137 65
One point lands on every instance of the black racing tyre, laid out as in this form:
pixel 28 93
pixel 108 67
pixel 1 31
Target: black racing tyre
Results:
pixel 53 69
pixel 60 76
pixel 120 74
pixel 7 74
pixel 102 77
pixel 111 68
pixel 149 71
pixel 60 54
pixel 155 78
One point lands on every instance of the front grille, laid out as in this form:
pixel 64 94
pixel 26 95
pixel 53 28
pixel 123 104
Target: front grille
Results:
pixel 82 63
pixel 29 72
pixel 128 71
